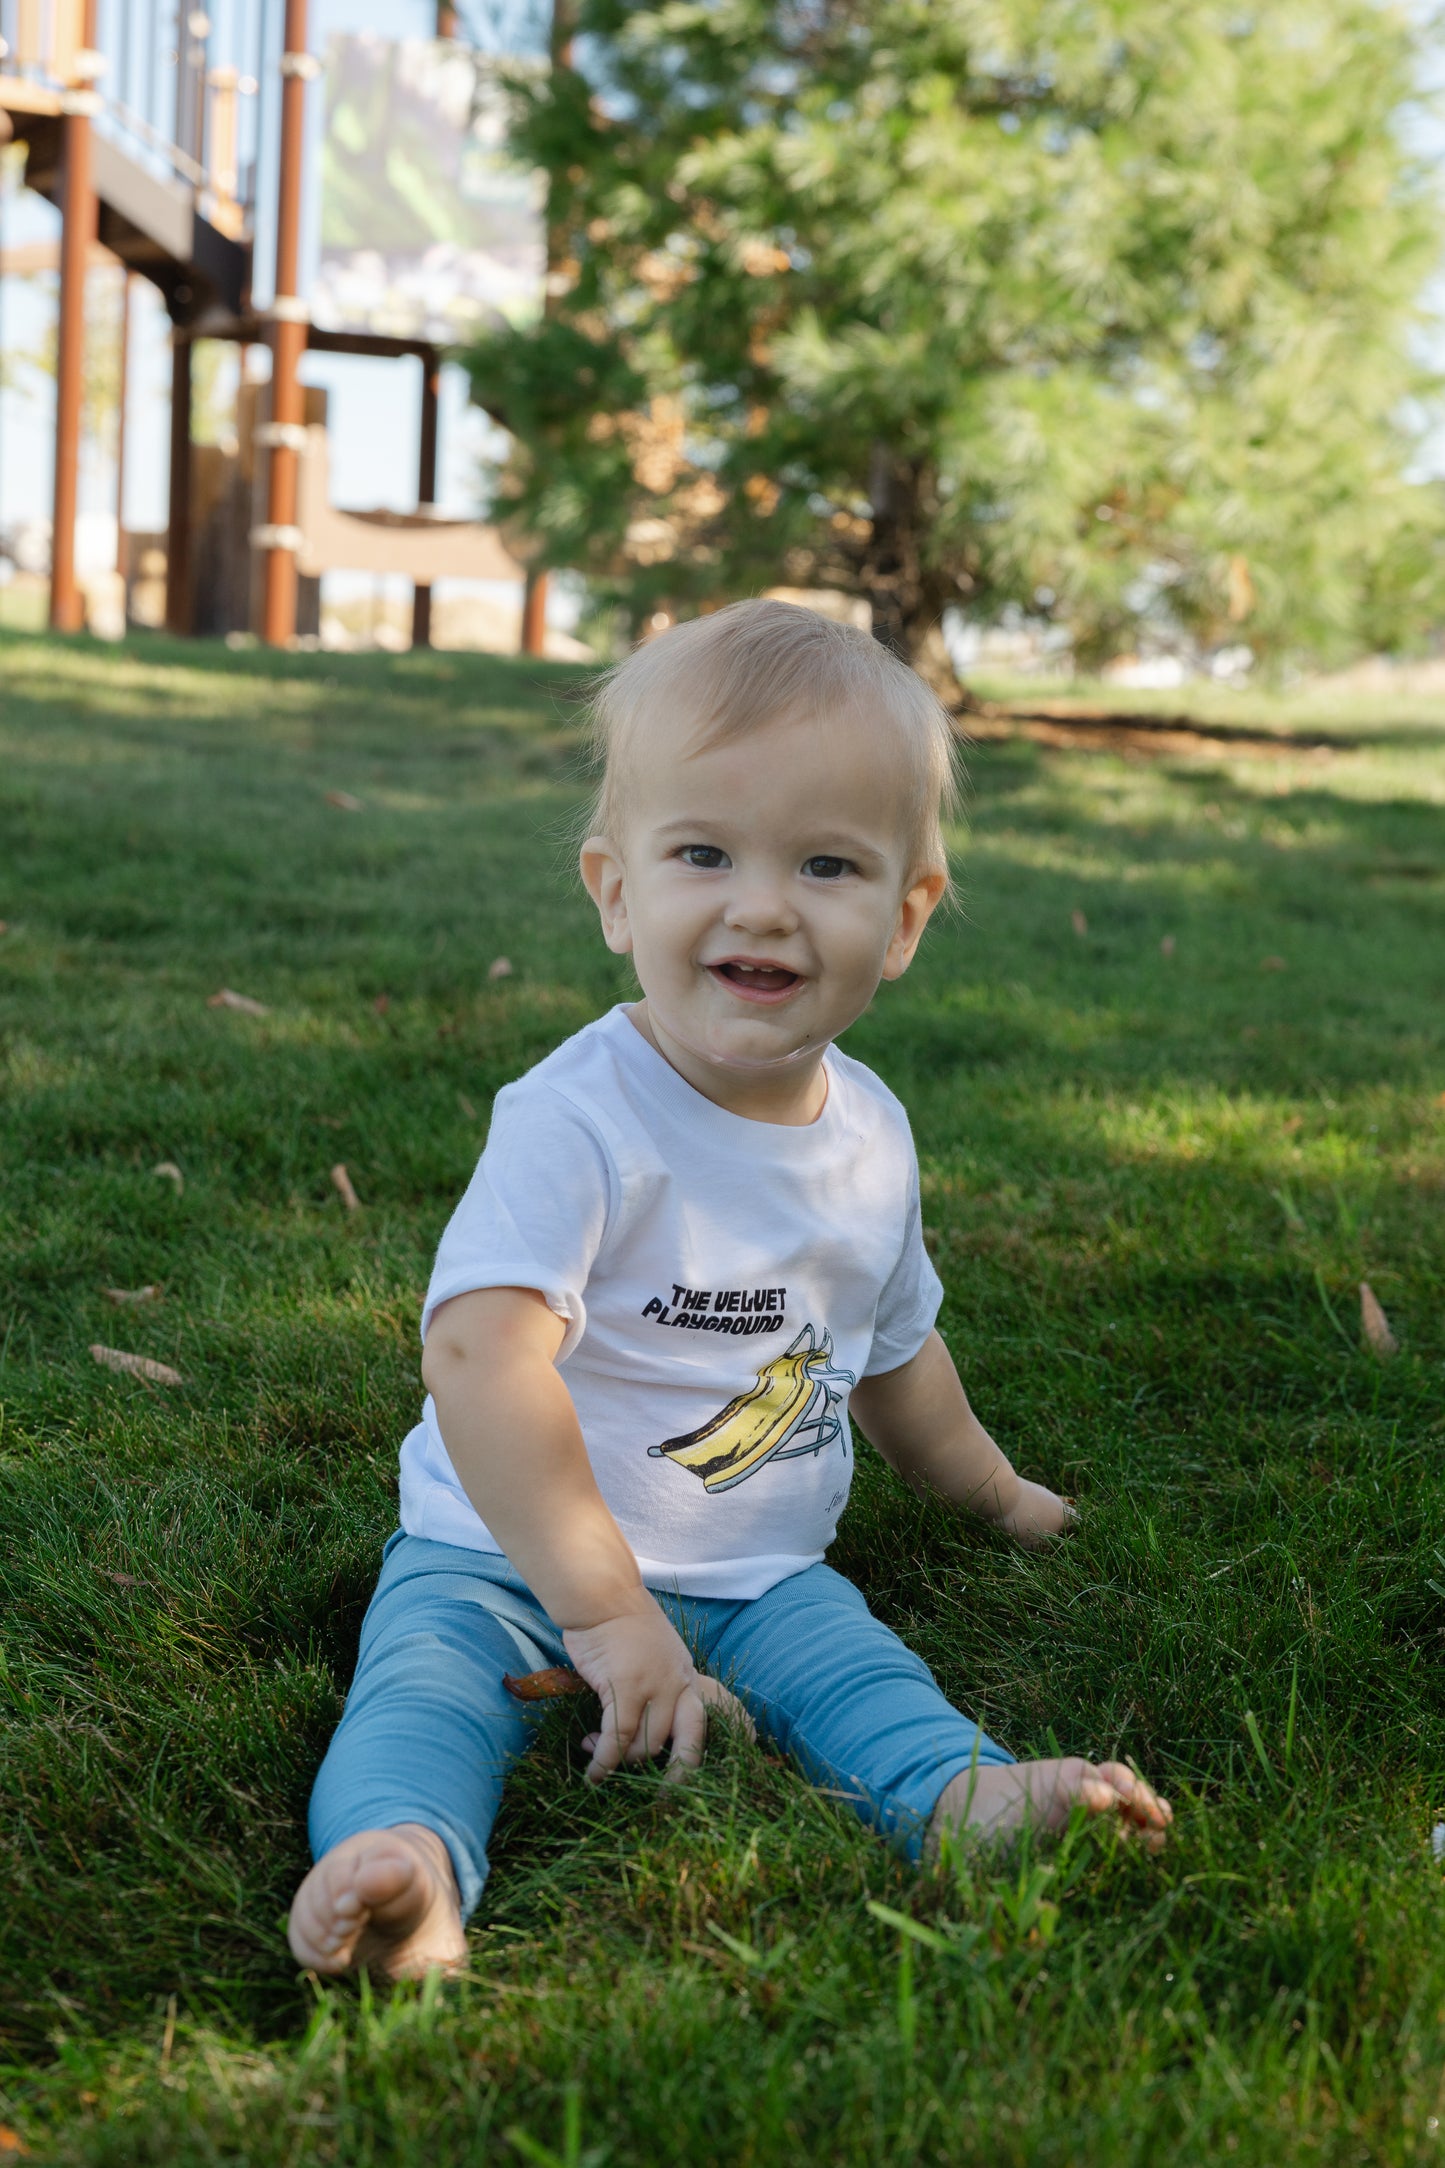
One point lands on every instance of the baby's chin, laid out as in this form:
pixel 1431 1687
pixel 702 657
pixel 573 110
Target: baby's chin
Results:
pixel 746 1046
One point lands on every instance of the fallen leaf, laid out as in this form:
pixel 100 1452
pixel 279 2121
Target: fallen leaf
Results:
pixel 343 801
pixel 1166 946
pixel 121 1580
pixel 1292 1123
pixel 121 1296
pixel 341 1183
pixel 172 1173
pixel 500 967
pixel 11 2140
pixel 1250 1031
pixel 1375 1325
pixel 331 1121
pixel 548 1685
pixel 1078 921
pixel 1271 963
pixel 381 1004
pixel 136 1366
pixel 4 925
pixel 466 1106
pixel 227 998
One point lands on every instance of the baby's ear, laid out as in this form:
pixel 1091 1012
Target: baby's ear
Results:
pixel 602 877
pixel 921 899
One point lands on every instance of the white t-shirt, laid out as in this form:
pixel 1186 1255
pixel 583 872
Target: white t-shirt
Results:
pixel 724 1282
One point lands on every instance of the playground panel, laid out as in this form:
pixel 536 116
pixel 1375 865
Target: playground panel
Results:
pixel 154 149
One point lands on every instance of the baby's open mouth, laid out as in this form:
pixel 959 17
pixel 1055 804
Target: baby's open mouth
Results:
pixel 757 982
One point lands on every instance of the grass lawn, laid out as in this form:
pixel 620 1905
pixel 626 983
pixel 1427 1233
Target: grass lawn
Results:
pixel 1177 1072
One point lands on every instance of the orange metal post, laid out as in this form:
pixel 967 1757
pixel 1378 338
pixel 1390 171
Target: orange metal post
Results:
pixel 288 342
pixel 426 485
pixel 122 398
pixel 178 516
pixel 534 614
pixel 534 596
pixel 77 234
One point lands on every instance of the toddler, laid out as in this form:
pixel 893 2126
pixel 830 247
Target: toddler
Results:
pixel 691 1250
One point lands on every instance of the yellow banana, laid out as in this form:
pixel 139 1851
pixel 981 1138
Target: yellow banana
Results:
pixel 757 1425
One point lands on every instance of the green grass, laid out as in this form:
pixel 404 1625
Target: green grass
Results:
pixel 1153 1183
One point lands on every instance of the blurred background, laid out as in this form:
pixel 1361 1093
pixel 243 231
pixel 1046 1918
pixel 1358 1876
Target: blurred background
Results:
pixel 1038 337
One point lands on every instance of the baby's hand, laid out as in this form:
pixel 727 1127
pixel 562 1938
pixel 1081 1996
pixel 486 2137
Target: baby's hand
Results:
pixel 1037 1515
pixel 650 1689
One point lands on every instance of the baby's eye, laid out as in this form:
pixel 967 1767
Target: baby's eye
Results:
pixel 823 868
pixel 705 856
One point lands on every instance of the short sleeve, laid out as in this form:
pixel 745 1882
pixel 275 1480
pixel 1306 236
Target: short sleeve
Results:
pixel 910 1299
pixel 534 1213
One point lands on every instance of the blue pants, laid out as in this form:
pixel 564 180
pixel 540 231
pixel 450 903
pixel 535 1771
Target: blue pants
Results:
pixel 429 1730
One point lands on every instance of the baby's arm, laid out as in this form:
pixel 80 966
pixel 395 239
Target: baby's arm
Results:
pixel 512 1434
pixel 919 1418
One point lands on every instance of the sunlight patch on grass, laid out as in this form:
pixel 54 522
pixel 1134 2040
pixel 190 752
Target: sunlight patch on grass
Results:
pixel 28 1067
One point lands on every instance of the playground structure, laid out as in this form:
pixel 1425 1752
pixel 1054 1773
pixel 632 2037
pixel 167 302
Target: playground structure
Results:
pixel 157 152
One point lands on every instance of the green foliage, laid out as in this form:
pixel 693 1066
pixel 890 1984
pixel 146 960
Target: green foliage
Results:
pixel 1096 307
pixel 1151 1183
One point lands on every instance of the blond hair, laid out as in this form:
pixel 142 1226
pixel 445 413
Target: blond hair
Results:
pixel 721 676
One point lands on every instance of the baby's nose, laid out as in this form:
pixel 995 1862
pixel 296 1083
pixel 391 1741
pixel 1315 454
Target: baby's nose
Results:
pixel 761 907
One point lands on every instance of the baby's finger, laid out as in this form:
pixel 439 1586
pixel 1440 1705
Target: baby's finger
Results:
pixel 618 1727
pixel 689 1733
pixel 650 1736
pixel 717 1697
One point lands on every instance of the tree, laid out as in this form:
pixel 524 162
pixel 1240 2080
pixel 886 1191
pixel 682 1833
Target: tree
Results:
pixel 1104 308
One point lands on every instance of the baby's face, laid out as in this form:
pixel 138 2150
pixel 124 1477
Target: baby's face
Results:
pixel 762 888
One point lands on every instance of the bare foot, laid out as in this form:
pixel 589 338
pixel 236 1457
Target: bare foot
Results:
pixel 385 1900
pixel 995 1800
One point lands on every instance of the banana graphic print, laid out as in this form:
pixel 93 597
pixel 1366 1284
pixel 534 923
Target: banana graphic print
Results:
pixel 789 1411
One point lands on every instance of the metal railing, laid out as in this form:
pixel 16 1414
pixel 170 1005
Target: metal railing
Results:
pixel 177 86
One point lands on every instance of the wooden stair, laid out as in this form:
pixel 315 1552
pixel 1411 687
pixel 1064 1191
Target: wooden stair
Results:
pixel 152 224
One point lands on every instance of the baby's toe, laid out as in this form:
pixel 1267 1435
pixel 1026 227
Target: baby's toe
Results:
pixel 317 1934
pixel 1144 1813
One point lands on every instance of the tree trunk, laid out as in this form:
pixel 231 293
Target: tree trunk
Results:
pixel 907 597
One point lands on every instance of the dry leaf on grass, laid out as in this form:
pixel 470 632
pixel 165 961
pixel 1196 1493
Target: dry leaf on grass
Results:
pixel 548 1685
pixel 136 1366
pixel 1271 963
pixel 171 1172
pixel 1166 946
pixel 11 2140
pixel 1375 1325
pixel 124 1296
pixel 343 801
pixel 121 1580
pixel 228 998
pixel 466 1106
pixel 1078 921
pixel 4 925
pixel 341 1183
pixel 500 967
pixel 381 1004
